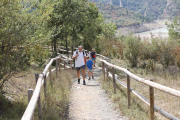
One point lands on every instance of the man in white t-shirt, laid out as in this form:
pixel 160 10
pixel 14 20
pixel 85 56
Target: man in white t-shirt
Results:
pixel 80 63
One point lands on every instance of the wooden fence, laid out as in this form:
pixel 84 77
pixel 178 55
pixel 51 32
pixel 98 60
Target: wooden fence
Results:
pixel 106 64
pixel 34 95
pixel 153 108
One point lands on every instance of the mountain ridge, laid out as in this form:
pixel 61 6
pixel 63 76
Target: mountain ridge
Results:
pixel 120 16
pixel 155 9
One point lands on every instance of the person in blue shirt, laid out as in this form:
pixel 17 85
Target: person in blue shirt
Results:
pixel 90 67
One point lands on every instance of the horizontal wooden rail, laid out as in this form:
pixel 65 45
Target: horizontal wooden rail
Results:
pixel 151 85
pixel 104 57
pixel 28 114
pixel 157 109
pixel 147 82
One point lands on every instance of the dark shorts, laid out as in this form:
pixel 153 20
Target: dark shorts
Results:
pixel 82 67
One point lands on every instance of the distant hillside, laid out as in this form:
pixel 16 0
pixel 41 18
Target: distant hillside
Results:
pixel 155 9
pixel 172 9
pixel 121 16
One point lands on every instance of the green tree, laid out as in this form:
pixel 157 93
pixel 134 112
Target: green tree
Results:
pixel 80 20
pixel 21 27
pixel 174 29
pixel 132 50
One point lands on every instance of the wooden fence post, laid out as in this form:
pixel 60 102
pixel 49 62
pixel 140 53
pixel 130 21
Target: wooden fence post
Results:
pixel 71 64
pixel 114 69
pixel 128 91
pixel 103 70
pixel 45 87
pixel 59 62
pixel 56 68
pixel 151 96
pixel 30 93
pixel 107 72
pixel 114 81
pixel 50 77
pixel 109 60
pixel 64 64
pixel 39 99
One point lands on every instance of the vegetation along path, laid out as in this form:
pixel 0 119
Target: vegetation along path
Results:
pixel 91 102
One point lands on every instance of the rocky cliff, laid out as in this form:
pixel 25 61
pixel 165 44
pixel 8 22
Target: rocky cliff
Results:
pixel 156 24
pixel 172 9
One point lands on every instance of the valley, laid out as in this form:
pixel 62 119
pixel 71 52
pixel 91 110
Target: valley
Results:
pixel 139 17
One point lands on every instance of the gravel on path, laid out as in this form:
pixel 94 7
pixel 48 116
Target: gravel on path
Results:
pixel 90 102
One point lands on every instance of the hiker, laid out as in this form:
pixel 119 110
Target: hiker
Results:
pixel 88 54
pixel 93 56
pixel 90 67
pixel 80 63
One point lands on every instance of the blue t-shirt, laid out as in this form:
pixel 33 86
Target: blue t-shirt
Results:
pixel 89 64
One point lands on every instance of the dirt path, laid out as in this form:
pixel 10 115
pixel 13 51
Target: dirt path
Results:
pixel 90 102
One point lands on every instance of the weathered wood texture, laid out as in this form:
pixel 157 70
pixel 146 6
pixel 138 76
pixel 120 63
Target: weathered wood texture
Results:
pixel 151 96
pixel 39 100
pixel 151 85
pixel 128 91
pixel 157 109
pixel 28 114
pixel 114 81
pixel 30 93
pixel 147 82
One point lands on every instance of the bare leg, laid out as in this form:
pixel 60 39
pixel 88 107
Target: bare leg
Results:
pixel 91 74
pixel 78 74
pixel 94 62
pixel 88 73
pixel 83 73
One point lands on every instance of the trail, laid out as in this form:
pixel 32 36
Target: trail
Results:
pixel 90 102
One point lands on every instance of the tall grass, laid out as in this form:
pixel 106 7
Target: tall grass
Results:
pixel 139 110
pixel 55 107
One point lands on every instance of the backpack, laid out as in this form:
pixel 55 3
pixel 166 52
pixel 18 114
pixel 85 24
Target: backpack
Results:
pixel 77 53
pixel 94 56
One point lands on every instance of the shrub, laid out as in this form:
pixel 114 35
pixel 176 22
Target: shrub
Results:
pixel 166 57
pixel 150 49
pixel 132 50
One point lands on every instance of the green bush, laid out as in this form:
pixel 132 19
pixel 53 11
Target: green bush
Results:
pixel 132 50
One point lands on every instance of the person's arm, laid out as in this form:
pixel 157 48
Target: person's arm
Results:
pixel 92 65
pixel 75 56
pixel 85 61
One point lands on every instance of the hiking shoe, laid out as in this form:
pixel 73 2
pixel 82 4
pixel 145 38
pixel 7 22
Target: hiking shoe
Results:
pixel 89 78
pixel 78 81
pixel 92 77
pixel 84 83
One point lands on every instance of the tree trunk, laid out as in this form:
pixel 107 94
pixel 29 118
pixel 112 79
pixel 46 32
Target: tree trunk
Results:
pixel 66 45
pixel 84 43
pixel 55 41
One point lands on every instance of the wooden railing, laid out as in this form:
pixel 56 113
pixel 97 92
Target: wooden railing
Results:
pixel 153 108
pixel 34 96
pixel 106 64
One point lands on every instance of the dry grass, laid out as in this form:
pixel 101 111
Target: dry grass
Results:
pixel 55 106
pixel 16 89
pixel 139 110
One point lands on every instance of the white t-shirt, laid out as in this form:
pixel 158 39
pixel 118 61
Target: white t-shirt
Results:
pixel 79 61
pixel 89 54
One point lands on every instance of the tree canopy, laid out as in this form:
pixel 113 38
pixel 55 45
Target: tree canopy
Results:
pixel 26 26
